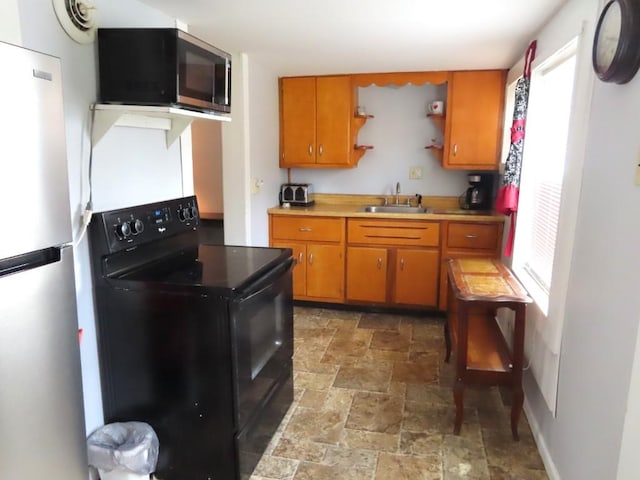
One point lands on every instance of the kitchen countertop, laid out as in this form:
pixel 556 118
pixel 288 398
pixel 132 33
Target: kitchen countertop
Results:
pixel 333 205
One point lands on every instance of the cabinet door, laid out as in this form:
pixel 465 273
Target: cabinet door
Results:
pixel 300 267
pixel 475 115
pixel 297 121
pixel 325 271
pixel 334 110
pixel 367 274
pixel 416 277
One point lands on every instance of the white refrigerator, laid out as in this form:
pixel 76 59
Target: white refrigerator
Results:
pixel 42 433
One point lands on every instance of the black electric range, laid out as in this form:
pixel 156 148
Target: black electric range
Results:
pixel 194 339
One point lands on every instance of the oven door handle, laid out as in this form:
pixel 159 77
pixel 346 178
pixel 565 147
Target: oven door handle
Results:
pixel 265 283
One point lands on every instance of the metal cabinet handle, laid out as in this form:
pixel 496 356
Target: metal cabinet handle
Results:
pixel 305 229
pixel 402 264
pixel 471 236
pixel 320 149
pixel 455 149
pixel 379 263
pixel 310 149
pixel 300 257
pixel 311 259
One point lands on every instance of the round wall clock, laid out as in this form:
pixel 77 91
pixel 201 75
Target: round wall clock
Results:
pixel 616 44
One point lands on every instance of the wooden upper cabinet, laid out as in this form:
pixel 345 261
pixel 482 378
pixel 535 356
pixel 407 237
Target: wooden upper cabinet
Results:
pixel 315 121
pixel 298 121
pixel 333 117
pixel 475 112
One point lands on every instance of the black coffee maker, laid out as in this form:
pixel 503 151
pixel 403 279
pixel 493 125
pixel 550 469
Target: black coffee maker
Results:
pixel 479 195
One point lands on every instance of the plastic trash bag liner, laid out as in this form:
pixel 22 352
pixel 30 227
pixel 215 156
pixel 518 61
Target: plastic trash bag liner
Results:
pixel 128 446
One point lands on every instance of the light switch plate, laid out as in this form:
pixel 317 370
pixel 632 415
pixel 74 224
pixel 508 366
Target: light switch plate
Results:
pixel 256 185
pixel 415 173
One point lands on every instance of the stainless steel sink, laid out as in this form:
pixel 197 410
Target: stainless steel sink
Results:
pixel 395 209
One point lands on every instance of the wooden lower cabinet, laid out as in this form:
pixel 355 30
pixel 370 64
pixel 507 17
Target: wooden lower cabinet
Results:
pixel 402 276
pixel 378 261
pixel 416 277
pixel 325 271
pixel 318 248
pixel 467 240
pixel 393 262
pixel 300 267
pixel 367 274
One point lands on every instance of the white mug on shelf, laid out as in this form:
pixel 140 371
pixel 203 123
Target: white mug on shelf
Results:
pixel 436 107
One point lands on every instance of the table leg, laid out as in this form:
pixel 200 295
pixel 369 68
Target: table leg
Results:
pixel 458 398
pixel 461 363
pixel 518 360
pixel 447 340
pixel 516 409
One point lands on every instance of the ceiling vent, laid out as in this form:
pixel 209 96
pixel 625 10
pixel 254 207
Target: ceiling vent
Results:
pixel 77 18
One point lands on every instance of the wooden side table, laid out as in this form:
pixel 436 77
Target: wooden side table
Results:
pixel 479 286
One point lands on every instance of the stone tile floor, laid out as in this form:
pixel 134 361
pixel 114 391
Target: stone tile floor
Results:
pixel 373 401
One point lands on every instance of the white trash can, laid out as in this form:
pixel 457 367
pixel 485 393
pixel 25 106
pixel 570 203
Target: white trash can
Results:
pixel 123 451
pixel 121 475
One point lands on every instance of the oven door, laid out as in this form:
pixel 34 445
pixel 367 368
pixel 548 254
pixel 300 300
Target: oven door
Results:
pixel 262 333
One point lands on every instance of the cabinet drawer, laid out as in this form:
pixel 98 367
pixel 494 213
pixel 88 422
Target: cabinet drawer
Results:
pixel 473 235
pixel 391 232
pixel 308 228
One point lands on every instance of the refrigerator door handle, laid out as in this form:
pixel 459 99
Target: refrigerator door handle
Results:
pixel 27 261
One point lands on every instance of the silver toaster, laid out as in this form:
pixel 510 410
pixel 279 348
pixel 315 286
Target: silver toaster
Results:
pixel 297 194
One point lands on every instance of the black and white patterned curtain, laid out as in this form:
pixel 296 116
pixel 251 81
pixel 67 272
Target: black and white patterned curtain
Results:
pixel 507 200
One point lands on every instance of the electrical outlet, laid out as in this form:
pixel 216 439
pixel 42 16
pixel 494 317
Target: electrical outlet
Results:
pixel 415 173
pixel 637 179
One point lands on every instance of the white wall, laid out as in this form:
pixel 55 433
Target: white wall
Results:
pixel 207 165
pixel 629 464
pixel 9 23
pixel 602 300
pixel 250 152
pixel 602 306
pixel 264 168
pixel 399 132
pixel 130 165
pixel 235 157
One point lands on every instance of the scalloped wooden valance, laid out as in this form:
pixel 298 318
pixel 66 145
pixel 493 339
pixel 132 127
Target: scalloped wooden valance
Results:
pixel 399 79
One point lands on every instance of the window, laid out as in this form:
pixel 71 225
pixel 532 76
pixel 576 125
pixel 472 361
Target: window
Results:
pixel 543 164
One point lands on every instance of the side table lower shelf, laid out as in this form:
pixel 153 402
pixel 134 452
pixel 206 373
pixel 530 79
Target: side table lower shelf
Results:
pixel 478 287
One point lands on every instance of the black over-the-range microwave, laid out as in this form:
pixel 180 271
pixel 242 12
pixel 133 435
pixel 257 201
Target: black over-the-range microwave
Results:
pixel 162 67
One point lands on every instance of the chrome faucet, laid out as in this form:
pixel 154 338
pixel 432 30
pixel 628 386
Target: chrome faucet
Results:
pixel 398 193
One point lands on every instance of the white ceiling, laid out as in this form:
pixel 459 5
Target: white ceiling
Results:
pixel 305 37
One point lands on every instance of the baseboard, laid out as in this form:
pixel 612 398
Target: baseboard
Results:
pixel 549 465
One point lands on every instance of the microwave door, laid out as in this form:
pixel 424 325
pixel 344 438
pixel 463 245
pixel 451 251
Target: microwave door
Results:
pixel 196 76
pixel 222 84
pixel 223 81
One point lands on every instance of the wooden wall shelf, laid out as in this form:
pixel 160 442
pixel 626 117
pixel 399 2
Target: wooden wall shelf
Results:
pixel 438 119
pixel 359 151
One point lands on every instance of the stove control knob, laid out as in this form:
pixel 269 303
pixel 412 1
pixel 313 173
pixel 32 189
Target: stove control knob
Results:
pixel 193 212
pixel 123 230
pixel 181 215
pixel 186 212
pixel 136 226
